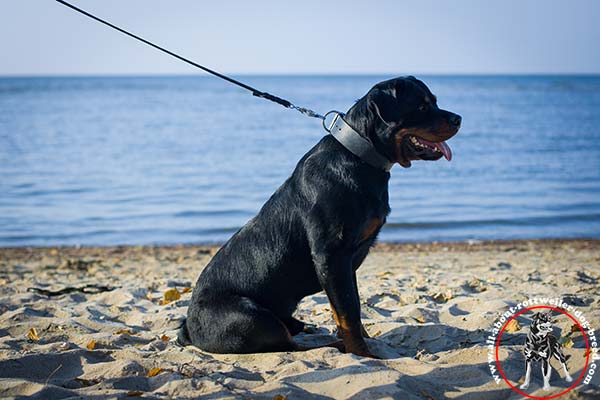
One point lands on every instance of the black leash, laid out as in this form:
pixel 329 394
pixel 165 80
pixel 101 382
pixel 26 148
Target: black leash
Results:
pixel 255 92
pixel 344 133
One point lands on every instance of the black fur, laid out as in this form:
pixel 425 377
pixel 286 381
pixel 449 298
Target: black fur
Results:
pixel 314 232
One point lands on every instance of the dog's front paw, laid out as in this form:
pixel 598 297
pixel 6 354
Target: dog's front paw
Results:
pixel 568 378
pixel 360 349
pixel 524 386
pixel 546 387
pixel 363 332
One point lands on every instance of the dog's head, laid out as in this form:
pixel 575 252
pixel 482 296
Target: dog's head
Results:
pixel 401 118
pixel 542 323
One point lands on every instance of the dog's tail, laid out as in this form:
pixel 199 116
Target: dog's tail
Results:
pixel 183 336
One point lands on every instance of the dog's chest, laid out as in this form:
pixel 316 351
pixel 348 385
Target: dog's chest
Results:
pixel 538 345
pixel 375 218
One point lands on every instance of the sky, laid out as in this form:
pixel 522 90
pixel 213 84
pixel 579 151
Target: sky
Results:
pixel 43 37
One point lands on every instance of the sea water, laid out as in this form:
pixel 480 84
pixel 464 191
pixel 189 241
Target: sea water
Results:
pixel 164 160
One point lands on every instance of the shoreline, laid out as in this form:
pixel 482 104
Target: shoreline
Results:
pixel 427 307
pixel 379 245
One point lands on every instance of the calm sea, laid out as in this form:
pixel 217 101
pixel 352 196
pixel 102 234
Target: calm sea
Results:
pixel 163 160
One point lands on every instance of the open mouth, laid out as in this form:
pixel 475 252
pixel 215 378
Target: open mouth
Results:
pixel 427 150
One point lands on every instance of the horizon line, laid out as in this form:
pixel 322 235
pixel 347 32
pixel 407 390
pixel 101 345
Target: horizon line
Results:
pixel 306 74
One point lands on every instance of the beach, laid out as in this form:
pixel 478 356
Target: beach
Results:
pixel 428 307
pixel 137 139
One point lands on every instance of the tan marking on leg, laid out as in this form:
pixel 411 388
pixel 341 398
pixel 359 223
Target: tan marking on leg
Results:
pixel 352 338
pixel 335 316
pixel 372 226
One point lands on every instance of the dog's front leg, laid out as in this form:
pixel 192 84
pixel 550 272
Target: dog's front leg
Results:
pixel 525 384
pixel 335 276
pixel 363 330
pixel 546 370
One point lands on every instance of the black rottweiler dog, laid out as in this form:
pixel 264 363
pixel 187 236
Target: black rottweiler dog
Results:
pixel 541 345
pixel 316 230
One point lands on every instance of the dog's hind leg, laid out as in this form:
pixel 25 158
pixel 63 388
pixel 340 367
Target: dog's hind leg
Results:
pixel 567 375
pixel 546 371
pixel 525 384
pixel 183 336
pixel 236 324
pixel 558 354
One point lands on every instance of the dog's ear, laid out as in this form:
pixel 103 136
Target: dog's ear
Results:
pixel 536 317
pixel 384 103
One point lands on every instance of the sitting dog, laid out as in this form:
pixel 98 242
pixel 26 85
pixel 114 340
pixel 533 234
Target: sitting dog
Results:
pixel 541 345
pixel 317 228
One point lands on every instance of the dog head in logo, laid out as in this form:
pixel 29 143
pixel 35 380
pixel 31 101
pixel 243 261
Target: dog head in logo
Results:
pixel 542 324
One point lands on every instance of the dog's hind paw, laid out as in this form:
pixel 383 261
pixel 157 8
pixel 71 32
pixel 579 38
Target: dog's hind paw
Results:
pixel 546 387
pixel 524 386
pixel 568 378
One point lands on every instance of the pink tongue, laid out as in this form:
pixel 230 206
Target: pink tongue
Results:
pixel 441 146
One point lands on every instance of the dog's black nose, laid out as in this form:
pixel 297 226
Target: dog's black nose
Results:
pixel 455 120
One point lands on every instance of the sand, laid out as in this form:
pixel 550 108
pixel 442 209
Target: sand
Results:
pixel 428 308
